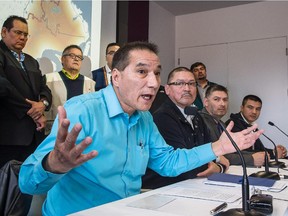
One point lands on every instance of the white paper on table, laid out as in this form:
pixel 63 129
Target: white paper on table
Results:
pixel 151 202
pixel 205 194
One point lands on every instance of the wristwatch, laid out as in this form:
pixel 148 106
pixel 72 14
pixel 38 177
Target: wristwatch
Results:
pixel 46 103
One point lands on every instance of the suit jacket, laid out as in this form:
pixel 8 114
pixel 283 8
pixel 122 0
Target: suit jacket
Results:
pixel 211 124
pixel 100 77
pixel 239 125
pixel 177 132
pixel 16 127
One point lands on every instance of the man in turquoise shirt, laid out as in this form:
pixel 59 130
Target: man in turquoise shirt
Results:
pixel 102 162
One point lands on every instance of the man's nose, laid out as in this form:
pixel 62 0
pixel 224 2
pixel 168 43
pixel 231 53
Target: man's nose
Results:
pixel 153 80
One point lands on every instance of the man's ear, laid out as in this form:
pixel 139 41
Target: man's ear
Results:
pixel 115 76
pixel 205 102
pixel 3 32
pixel 167 89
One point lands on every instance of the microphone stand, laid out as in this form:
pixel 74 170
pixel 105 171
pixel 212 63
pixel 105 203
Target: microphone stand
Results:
pixel 275 163
pixel 245 187
pixel 272 124
pixel 246 211
pixel 266 173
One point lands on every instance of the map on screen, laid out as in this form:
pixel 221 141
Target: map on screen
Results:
pixel 53 25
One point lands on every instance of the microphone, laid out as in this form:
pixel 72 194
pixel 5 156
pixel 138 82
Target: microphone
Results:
pixel 275 163
pixel 191 110
pixel 267 173
pixel 272 124
pixel 245 211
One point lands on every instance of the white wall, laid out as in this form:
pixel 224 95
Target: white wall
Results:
pixel 225 29
pixel 162 33
pixel 244 22
pixel 108 30
pixel 243 25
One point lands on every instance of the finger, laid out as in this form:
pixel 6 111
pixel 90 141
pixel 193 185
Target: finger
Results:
pixel 230 126
pixel 77 152
pixel 61 114
pixel 71 137
pixel 62 131
pixel 29 101
pixel 250 129
pixel 203 174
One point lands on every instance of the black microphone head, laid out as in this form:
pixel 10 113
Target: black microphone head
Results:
pixel 190 110
pixel 271 123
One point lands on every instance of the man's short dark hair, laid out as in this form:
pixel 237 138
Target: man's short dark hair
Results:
pixel 251 97
pixel 197 64
pixel 175 70
pixel 73 46
pixel 213 88
pixel 121 58
pixel 110 45
pixel 8 23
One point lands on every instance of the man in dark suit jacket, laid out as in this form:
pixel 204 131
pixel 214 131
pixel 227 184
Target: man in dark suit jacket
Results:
pixel 249 113
pixel 102 76
pixel 178 129
pixel 21 110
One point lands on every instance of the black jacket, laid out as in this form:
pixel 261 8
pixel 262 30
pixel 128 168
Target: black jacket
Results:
pixel 177 132
pixel 16 127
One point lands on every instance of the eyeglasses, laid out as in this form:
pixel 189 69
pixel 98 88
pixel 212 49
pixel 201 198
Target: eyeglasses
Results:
pixel 182 84
pixel 74 57
pixel 20 33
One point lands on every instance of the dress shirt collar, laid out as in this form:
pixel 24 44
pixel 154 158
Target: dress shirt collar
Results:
pixel 113 104
pixel 68 75
pixel 16 55
pixel 108 70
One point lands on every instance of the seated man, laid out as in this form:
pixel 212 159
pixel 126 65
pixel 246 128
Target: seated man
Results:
pixel 178 129
pixel 215 107
pixel 102 142
pixel 249 113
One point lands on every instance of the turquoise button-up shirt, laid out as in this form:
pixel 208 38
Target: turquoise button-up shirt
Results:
pixel 126 146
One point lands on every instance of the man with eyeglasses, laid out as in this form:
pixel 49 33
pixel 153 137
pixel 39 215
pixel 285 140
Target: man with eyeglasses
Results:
pixel 179 129
pixel 68 82
pixel 102 142
pixel 102 76
pixel 22 107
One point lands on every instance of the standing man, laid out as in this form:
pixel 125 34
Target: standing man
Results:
pixel 68 82
pixel 249 112
pixel 100 147
pixel 21 111
pixel 179 129
pixel 102 76
pixel 200 73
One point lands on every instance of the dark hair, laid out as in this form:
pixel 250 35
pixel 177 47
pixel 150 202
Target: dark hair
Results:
pixel 196 64
pixel 73 46
pixel 8 23
pixel 175 70
pixel 110 45
pixel 251 97
pixel 213 88
pixel 122 57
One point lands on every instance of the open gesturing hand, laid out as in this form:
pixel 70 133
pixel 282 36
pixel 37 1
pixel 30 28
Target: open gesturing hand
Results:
pixel 66 154
pixel 244 139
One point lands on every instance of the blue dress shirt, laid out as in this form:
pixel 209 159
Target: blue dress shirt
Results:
pixel 126 146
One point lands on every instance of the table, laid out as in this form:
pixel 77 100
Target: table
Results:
pixel 152 202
